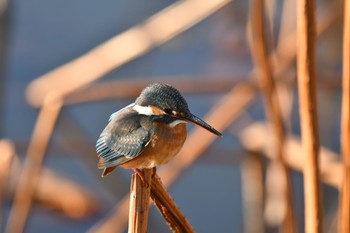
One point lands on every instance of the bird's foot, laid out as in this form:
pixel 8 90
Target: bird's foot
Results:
pixel 154 171
pixel 141 175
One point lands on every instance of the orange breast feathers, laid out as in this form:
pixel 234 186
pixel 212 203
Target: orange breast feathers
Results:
pixel 164 145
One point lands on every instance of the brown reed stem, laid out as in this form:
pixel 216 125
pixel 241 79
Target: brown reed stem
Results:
pixel 168 208
pixel 131 87
pixel 259 50
pixel 286 47
pixel 253 193
pixel 29 176
pixel 139 203
pixel 255 138
pixel 344 204
pixel 122 48
pixel 308 113
pixel 7 154
pixel 64 195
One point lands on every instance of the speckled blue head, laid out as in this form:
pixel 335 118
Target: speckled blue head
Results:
pixel 164 97
pixel 171 102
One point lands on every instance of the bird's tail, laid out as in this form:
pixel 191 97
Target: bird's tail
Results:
pixel 107 171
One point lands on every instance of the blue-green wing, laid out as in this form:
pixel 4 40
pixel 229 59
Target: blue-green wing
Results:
pixel 124 138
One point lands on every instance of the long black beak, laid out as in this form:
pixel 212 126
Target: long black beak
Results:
pixel 189 117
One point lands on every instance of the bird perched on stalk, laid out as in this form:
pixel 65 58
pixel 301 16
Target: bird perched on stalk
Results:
pixel 148 132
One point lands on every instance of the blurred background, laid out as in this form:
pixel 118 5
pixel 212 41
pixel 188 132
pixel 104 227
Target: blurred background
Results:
pixel 231 185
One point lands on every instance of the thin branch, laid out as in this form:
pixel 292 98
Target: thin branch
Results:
pixel 139 203
pixel 344 205
pixel 52 191
pixel 64 195
pixel 122 48
pixel 264 74
pixel 7 154
pixel 29 177
pixel 255 138
pixel 168 208
pixel 308 113
pixel 253 193
pixel 285 51
pixel 131 87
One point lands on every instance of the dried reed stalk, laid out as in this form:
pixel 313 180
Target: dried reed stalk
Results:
pixel 308 113
pixel 122 48
pixel 168 208
pixel 139 202
pixel 31 169
pixel 344 214
pixel 7 154
pixel 253 193
pixel 286 47
pixel 259 50
pixel 64 195
pixel 127 88
pixel 254 139
pixel 52 191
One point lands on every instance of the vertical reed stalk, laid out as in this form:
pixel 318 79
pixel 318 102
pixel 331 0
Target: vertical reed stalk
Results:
pixel 29 176
pixel 253 193
pixel 139 203
pixel 308 113
pixel 259 50
pixel 7 155
pixel 140 194
pixel 344 215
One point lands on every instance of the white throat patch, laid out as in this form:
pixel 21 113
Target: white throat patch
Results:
pixel 144 110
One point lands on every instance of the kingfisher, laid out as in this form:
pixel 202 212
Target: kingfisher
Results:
pixel 148 132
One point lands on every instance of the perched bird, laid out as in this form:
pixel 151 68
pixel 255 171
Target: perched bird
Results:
pixel 148 132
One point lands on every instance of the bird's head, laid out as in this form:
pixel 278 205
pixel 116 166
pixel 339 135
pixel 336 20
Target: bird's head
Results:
pixel 166 104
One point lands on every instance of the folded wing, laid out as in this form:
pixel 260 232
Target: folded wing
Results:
pixel 124 138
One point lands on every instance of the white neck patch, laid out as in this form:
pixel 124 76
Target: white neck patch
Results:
pixel 148 111
pixel 144 110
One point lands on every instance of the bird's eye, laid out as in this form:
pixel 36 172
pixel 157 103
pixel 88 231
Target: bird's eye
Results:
pixel 168 111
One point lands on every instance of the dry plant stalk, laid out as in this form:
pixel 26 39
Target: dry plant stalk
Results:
pixel 55 191
pixel 168 208
pixel 139 203
pixel 254 139
pixel 253 193
pixel 7 154
pixel 64 195
pixel 31 169
pixel 259 50
pixel 122 48
pixel 308 113
pixel 344 214
pixel 123 88
pixel 286 46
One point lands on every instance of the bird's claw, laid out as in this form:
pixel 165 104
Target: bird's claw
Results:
pixel 142 176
